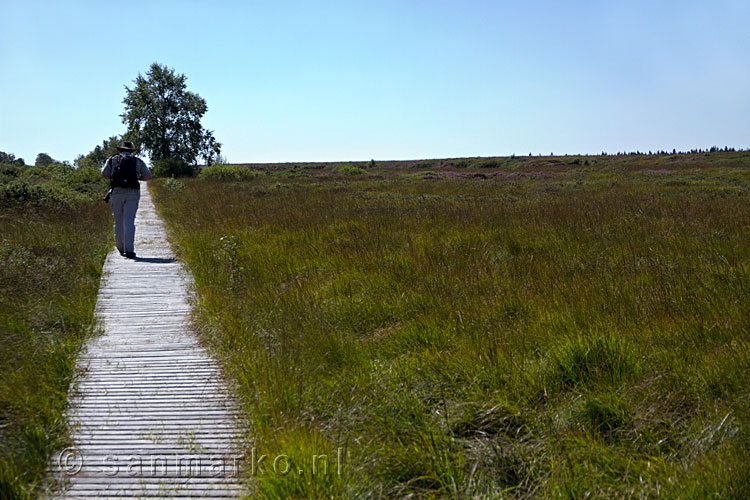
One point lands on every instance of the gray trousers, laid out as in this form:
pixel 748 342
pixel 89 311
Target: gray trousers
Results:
pixel 124 205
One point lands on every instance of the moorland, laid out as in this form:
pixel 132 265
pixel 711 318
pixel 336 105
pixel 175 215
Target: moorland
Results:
pixel 519 327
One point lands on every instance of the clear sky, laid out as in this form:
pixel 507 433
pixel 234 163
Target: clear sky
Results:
pixel 385 79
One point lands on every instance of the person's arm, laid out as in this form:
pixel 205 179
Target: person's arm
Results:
pixel 107 170
pixel 145 173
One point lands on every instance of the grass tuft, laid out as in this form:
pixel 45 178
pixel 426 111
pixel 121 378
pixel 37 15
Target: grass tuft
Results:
pixel 583 361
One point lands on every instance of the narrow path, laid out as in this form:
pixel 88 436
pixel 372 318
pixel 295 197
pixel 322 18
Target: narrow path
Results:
pixel 150 414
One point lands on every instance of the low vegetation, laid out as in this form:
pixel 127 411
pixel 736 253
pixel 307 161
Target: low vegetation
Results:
pixel 172 167
pixel 227 173
pixel 54 235
pixel 550 328
pixel 554 327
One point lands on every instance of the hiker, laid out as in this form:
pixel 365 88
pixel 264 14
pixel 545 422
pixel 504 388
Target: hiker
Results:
pixel 124 170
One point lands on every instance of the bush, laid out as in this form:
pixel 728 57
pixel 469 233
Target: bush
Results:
pixel 18 192
pixel 174 185
pixel 15 192
pixel 88 181
pixel 490 163
pixel 49 185
pixel 172 167
pixel 85 175
pixel 8 172
pixel 53 172
pixel 228 173
pixel 425 164
pixel 10 169
pixel 350 169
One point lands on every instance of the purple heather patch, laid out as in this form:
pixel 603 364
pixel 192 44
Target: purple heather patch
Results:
pixel 463 175
pixel 520 175
pixel 450 174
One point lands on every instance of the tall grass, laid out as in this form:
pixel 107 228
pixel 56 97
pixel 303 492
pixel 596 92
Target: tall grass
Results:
pixel 566 332
pixel 54 235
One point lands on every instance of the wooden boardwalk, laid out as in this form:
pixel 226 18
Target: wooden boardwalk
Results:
pixel 150 416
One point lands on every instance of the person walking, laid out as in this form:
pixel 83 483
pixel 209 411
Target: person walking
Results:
pixel 124 171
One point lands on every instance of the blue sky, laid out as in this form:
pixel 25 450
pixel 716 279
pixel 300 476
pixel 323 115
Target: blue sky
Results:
pixel 351 80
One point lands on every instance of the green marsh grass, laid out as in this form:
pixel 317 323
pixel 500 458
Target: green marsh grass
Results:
pixel 54 235
pixel 514 328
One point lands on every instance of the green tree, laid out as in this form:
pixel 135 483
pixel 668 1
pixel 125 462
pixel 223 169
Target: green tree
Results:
pixel 43 159
pixel 163 118
pixel 11 159
pixel 100 154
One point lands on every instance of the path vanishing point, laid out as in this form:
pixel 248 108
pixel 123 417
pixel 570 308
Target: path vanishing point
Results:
pixel 149 413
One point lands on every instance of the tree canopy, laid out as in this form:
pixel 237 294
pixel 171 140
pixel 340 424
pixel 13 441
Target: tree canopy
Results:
pixel 100 154
pixel 163 118
pixel 43 159
pixel 11 158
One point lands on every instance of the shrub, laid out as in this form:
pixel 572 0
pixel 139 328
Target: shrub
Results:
pixel 228 173
pixel 49 185
pixel 490 163
pixel 10 169
pixel 53 171
pixel 174 185
pixel 172 167
pixel 18 192
pixel 8 172
pixel 86 175
pixel 87 180
pixel 425 164
pixel 350 170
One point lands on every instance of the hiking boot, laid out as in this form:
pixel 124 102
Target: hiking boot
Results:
pixel 130 255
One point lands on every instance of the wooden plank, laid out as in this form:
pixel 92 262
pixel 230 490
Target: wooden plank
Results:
pixel 146 385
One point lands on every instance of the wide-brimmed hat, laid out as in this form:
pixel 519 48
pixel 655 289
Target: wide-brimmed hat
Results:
pixel 126 146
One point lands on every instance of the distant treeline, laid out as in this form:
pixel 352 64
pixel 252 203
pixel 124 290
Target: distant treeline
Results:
pixel 712 149
pixel 42 160
pixel 96 157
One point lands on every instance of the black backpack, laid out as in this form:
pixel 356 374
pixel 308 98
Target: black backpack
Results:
pixel 125 172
